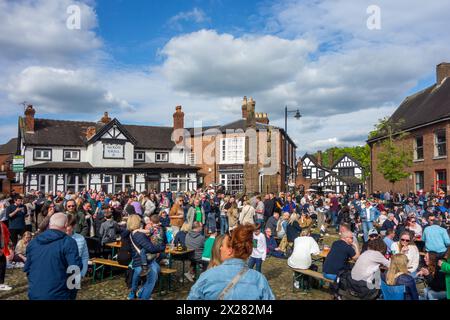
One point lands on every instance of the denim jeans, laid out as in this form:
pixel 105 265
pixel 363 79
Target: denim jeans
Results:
pixel 255 261
pixel 223 224
pixel 366 225
pixel 434 295
pixel 212 221
pixel 334 216
pixel 149 284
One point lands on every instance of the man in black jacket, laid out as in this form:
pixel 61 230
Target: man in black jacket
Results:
pixel 269 206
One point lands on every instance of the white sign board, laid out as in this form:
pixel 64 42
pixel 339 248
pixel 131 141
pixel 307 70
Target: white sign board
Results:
pixel 113 151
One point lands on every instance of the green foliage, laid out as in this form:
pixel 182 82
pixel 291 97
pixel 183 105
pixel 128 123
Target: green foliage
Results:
pixel 393 159
pixel 359 153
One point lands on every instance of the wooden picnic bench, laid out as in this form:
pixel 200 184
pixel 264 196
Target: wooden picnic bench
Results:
pixel 301 274
pixel 100 263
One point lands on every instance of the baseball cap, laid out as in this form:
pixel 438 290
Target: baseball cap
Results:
pixel 373 232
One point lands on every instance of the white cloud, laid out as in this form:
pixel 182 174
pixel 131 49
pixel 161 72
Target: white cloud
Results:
pixel 195 15
pixel 37 31
pixel 63 90
pixel 211 64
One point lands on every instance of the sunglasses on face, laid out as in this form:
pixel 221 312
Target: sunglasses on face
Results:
pixel 404 240
pixel 71 206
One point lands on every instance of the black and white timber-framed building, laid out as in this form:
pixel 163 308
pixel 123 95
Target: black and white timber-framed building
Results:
pixel 106 155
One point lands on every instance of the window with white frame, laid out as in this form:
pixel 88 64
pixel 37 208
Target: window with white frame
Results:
pixel 42 154
pixel 440 143
pixel 139 156
pixel 71 155
pixel 161 156
pixel 232 150
pixel 179 182
pixel 418 148
pixel 233 182
pixel 419 180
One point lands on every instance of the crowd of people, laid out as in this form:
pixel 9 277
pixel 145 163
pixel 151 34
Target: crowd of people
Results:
pixel 381 237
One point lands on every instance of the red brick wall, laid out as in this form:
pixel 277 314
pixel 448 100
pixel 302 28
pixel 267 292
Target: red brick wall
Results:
pixel 428 165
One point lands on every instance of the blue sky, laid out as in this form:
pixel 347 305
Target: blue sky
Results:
pixel 139 59
pixel 135 30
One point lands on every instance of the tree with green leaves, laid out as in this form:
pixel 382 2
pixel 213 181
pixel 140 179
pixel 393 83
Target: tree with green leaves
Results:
pixel 393 159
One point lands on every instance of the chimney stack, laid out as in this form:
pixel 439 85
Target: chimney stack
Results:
pixel 105 119
pixel 251 117
pixel 90 132
pixel 29 118
pixel 319 157
pixel 178 121
pixel 330 157
pixel 244 108
pixel 442 72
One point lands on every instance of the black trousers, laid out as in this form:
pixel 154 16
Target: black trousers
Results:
pixel 14 235
pixel 2 268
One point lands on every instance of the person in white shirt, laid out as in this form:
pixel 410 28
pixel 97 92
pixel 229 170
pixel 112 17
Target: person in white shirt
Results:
pixel 304 247
pixel 407 247
pixel 368 264
pixel 259 250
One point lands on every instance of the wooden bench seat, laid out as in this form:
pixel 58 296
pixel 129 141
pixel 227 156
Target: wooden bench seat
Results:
pixel 301 274
pixel 107 262
pixel 100 263
pixel 313 274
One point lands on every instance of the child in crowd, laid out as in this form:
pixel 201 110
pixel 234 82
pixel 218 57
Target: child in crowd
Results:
pixel 156 236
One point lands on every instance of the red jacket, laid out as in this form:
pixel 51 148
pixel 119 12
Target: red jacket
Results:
pixel 4 233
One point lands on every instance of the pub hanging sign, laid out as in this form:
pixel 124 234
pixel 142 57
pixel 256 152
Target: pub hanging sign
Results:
pixel 113 151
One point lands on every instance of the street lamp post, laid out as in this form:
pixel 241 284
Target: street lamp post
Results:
pixel 296 116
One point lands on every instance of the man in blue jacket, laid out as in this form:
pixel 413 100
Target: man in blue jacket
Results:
pixel 368 215
pixel 49 257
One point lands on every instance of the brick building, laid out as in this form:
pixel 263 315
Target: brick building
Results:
pixel 425 115
pixel 8 181
pixel 231 156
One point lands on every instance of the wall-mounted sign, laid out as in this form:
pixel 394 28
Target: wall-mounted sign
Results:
pixel 18 163
pixel 113 151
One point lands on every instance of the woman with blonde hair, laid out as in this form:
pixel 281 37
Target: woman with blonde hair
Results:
pixel 215 252
pixel 398 275
pixel 232 213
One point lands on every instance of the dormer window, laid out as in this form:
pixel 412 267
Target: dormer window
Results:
pixel 161 157
pixel 71 155
pixel 139 156
pixel 42 154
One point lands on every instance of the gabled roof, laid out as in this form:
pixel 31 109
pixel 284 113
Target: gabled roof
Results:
pixel 10 147
pixel 314 160
pixel 348 156
pixel 51 132
pixel 105 128
pixel 423 108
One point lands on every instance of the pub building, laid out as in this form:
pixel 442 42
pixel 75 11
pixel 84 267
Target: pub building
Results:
pixel 106 155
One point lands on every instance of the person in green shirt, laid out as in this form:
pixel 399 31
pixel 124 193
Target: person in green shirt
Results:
pixel 206 256
pixel 445 268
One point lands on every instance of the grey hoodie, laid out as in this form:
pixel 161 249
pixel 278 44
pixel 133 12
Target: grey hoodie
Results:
pixel 195 241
